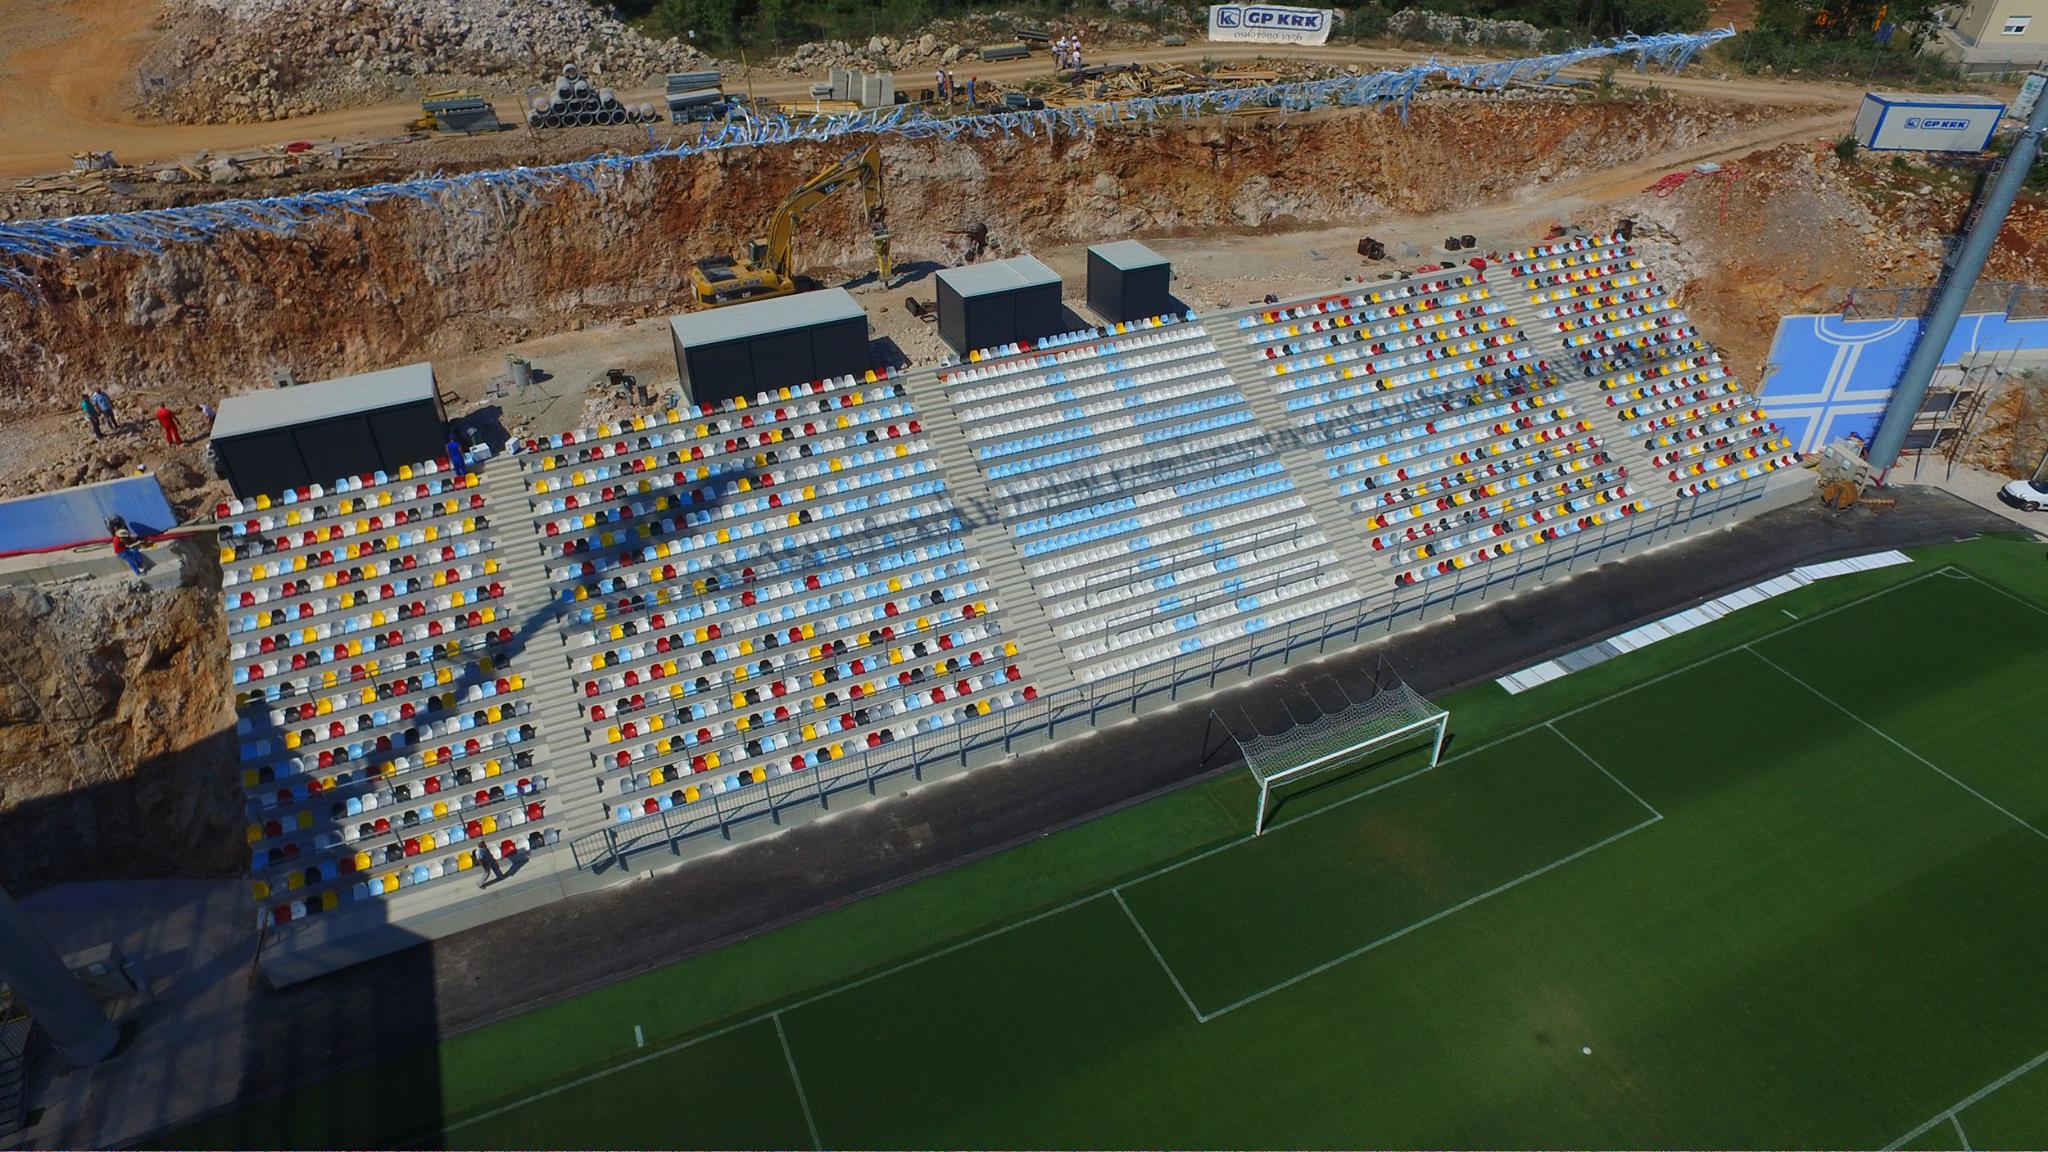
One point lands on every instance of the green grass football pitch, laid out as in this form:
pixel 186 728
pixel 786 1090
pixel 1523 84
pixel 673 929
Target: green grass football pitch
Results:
pixel 1778 881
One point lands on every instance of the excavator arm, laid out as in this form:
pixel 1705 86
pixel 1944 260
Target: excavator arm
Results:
pixel 866 168
pixel 769 268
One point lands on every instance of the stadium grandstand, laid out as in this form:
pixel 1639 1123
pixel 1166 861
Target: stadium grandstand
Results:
pixel 708 622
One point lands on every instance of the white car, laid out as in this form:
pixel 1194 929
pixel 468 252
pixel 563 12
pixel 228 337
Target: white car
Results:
pixel 2025 495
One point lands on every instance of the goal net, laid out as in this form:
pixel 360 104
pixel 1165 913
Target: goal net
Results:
pixel 1393 713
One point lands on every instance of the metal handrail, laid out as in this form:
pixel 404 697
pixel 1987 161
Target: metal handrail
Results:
pixel 1043 717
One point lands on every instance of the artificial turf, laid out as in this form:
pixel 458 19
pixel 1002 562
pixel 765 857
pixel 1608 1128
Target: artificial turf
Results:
pixel 1830 937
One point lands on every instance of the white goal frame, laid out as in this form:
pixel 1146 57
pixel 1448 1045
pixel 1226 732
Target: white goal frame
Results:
pixel 1393 713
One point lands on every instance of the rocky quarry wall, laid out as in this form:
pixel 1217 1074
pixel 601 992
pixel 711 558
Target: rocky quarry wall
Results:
pixel 405 281
pixel 116 731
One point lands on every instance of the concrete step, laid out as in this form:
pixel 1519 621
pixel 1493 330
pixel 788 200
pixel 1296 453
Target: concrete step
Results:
pixel 1022 617
pixel 1583 394
pixel 563 754
pixel 1304 463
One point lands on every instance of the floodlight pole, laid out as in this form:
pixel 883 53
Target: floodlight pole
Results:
pixel 1911 390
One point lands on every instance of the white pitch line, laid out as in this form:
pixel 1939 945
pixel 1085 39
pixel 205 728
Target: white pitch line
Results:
pixel 1684 668
pixel 1972 1098
pixel 827 993
pixel 2008 813
pixel 600 1074
pixel 1163 965
pixel 1426 921
pixel 1604 772
pixel 1961 1135
pixel 2005 592
pixel 801 1099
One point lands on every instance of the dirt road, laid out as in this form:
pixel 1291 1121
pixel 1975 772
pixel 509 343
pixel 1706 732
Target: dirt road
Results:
pixel 70 88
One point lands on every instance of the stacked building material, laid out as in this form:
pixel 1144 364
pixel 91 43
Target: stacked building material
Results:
pixel 696 96
pixel 461 113
pixel 576 102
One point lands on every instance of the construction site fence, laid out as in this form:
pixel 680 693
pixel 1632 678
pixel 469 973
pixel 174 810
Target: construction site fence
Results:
pixel 2016 300
pixel 1061 713
pixel 24 242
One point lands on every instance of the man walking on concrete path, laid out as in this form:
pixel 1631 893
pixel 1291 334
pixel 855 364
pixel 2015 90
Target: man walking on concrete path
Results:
pixel 488 863
pixel 92 414
pixel 169 421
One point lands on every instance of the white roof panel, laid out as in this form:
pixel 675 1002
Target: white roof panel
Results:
pixel 765 317
pixel 305 403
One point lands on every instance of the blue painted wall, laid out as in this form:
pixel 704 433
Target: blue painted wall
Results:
pixel 1833 375
pixel 53 519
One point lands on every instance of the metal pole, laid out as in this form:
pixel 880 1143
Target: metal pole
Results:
pixel 54 997
pixel 1911 390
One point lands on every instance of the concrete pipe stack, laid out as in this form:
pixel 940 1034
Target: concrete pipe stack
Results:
pixel 576 103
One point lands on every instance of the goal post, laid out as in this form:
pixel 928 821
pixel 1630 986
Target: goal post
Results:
pixel 1392 714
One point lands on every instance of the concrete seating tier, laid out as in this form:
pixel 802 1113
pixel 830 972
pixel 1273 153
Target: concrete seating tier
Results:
pixel 1625 318
pixel 584 472
pixel 1419 462
pixel 1750 467
pixel 1071 376
pixel 257 517
pixel 1670 413
pixel 783 726
pixel 702 424
pixel 1561 285
pixel 1506 457
pixel 1566 254
pixel 1151 514
pixel 1483 497
pixel 750 589
pixel 1373 324
pixel 1620 372
pixel 1479 408
pixel 367 624
pixel 1575 312
pixel 1448 534
pixel 1188 460
pixel 1617 355
pixel 1582 514
pixel 481 674
pixel 338 824
pixel 1694 387
pixel 319 619
pixel 1083 345
pixel 1364 305
pixel 1702 439
pixel 1420 345
pixel 320 674
pixel 321 652
pixel 314 552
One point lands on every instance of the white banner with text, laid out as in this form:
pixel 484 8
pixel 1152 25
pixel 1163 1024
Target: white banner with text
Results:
pixel 1269 24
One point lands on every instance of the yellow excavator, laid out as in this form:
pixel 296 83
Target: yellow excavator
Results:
pixel 766 270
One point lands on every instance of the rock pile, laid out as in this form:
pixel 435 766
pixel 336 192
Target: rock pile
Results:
pixel 1436 27
pixel 238 60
